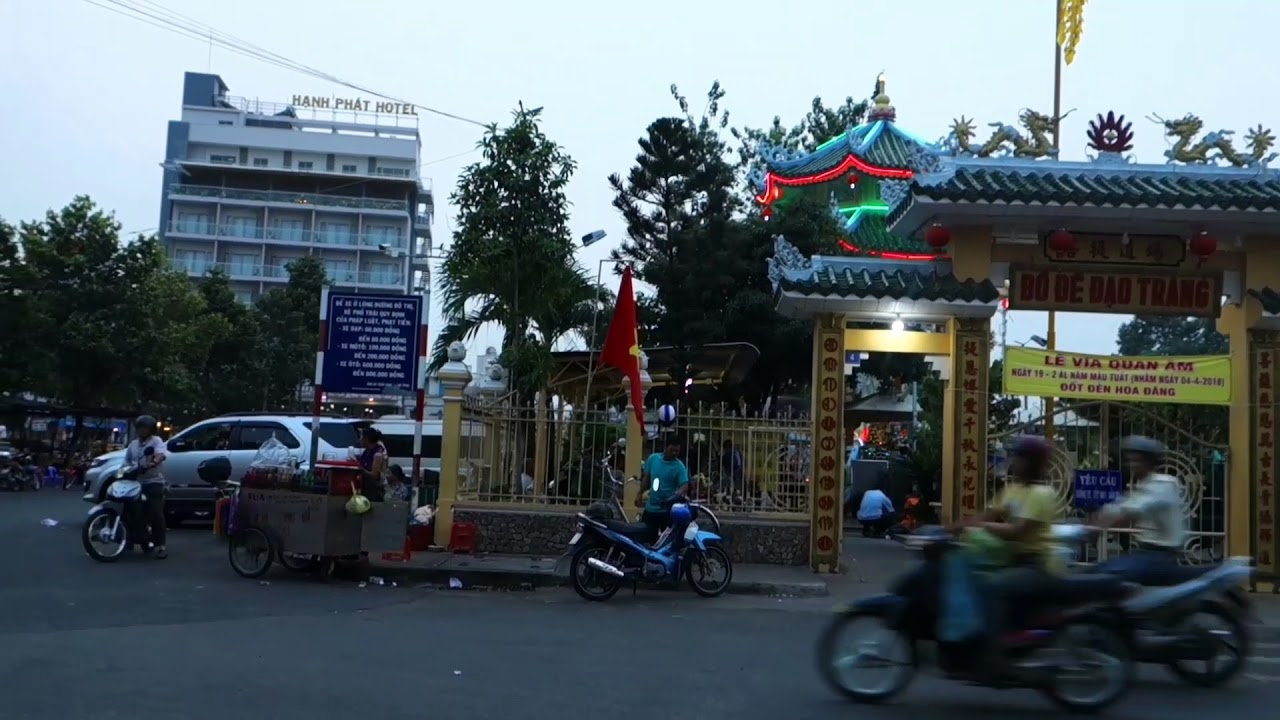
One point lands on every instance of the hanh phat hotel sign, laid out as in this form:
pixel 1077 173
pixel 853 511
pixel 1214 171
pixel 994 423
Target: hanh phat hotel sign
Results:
pixel 1121 293
pixel 1195 380
pixel 353 104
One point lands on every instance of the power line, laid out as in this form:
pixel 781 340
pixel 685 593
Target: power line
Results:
pixel 158 16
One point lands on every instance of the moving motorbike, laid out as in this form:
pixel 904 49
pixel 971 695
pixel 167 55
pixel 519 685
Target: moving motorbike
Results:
pixel 1173 632
pixel 1071 643
pixel 608 553
pixel 119 523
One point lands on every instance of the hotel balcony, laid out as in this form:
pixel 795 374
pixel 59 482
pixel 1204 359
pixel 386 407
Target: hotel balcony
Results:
pixel 279 274
pixel 288 200
pixel 283 236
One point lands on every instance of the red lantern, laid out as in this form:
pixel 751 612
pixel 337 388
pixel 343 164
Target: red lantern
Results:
pixel 1062 242
pixel 853 181
pixel 937 236
pixel 768 213
pixel 1203 245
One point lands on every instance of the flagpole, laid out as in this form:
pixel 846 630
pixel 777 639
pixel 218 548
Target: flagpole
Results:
pixel 1052 339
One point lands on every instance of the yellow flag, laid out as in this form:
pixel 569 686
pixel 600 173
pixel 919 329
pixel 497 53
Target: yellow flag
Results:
pixel 1070 26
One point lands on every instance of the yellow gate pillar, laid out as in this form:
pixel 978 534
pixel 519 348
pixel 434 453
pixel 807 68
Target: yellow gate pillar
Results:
pixel 964 420
pixel 453 377
pixel 826 507
pixel 636 451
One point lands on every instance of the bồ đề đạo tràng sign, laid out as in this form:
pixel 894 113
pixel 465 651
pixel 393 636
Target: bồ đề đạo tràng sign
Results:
pixel 1127 293
pixel 1194 380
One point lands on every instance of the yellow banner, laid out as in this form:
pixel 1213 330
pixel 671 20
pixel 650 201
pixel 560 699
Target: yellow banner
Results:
pixel 1194 380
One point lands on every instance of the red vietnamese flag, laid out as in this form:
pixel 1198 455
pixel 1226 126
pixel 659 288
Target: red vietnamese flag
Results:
pixel 622 343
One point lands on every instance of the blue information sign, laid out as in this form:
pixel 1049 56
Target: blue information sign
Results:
pixel 1095 488
pixel 372 343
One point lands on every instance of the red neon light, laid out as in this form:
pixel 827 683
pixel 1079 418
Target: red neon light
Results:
pixel 773 185
pixel 851 162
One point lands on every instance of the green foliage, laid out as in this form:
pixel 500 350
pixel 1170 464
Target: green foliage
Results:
pixel 512 258
pixel 94 324
pixel 1158 335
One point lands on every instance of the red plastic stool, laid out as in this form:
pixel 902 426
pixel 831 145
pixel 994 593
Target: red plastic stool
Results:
pixel 405 554
pixel 462 538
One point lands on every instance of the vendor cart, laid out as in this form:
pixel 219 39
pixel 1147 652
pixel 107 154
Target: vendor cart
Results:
pixel 301 520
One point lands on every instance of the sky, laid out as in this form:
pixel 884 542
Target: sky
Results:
pixel 87 93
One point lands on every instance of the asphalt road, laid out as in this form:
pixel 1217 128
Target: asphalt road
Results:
pixel 186 638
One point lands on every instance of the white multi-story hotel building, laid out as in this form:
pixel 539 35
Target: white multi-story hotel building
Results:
pixel 251 186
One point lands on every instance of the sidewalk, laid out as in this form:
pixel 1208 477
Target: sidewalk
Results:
pixel 523 572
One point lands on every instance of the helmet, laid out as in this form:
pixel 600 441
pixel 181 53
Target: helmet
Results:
pixel 1153 449
pixel 599 510
pixel 681 513
pixel 145 421
pixel 1031 447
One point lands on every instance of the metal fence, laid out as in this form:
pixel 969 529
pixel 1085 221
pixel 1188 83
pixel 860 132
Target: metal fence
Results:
pixel 739 463
pixel 562 456
pixel 1088 437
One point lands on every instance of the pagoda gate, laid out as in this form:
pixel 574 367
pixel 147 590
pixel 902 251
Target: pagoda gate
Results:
pixel 936 235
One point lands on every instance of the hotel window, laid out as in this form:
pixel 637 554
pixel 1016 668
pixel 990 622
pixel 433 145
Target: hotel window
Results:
pixel 223 159
pixel 193 261
pixel 244 297
pixel 305 164
pixel 383 234
pixel 245 227
pixel 289 230
pixel 333 233
pixel 348 168
pixel 260 162
pixel 384 273
pixel 194 223
pixel 339 271
pixel 242 265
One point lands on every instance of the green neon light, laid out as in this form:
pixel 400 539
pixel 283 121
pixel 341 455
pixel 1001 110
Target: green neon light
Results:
pixel 855 213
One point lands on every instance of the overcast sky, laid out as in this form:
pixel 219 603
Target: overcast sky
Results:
pixel 87 92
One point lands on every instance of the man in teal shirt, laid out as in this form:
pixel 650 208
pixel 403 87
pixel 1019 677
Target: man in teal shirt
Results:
pixel 665 476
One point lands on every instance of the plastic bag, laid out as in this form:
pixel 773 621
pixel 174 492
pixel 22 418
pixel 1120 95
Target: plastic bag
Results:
pixel 272 454
pixel 961 617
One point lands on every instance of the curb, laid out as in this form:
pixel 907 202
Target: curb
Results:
pixel 477 579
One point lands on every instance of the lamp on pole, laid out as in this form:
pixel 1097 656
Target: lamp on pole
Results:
pixel 588 240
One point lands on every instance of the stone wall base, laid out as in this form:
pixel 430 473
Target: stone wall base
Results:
pixel 533 532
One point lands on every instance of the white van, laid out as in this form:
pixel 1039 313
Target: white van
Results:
pixel 397 436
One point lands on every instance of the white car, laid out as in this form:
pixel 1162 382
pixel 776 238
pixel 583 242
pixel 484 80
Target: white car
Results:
pixel 236 437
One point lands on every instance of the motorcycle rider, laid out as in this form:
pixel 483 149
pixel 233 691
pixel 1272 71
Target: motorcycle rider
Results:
pixel 150 477
pixel 665 476
pixel 1013 538
pixel 1155 507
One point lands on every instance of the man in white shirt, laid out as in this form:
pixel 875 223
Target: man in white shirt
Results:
pixel 151 478
pixel 1155 508
pixel 876 513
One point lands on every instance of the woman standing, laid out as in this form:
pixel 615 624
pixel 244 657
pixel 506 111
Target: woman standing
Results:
pixel 373 465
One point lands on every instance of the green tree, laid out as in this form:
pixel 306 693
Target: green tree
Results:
pixel 288 333
pixel 18 317
pixel 678 203
pixel 117 328
pixel 228 380
pixel 1158 335
pixel 512 257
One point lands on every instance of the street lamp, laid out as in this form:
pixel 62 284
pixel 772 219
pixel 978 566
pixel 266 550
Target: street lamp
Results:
pixel 588 240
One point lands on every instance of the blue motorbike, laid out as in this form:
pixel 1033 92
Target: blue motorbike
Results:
pixel 608 553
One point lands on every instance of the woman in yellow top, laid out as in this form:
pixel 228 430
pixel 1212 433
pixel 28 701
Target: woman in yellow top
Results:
pixel 1013 536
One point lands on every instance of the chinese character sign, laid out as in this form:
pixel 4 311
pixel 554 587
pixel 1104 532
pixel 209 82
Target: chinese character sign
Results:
pixel 372 343
pixel 827 510
pixel 969 374
pixel 1265 356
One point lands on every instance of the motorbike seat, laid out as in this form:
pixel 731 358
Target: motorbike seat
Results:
pixel 1084 589
pixel 1177 574
pixel 631 530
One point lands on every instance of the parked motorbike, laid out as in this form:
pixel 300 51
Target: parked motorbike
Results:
pixel 1071 644
pixel 1174 633
pixel 607 553
pixel 702 514
pixel 19 475
pixel 119 522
